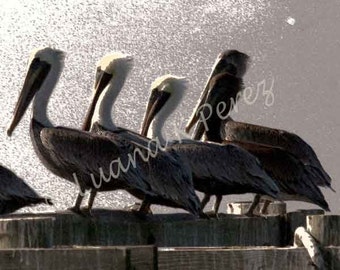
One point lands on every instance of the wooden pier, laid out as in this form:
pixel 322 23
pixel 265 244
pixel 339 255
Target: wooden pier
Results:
pixel 122 240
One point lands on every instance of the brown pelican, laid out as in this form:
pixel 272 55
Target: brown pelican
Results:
pixel 89 160
pixel 217 169
pixel 287 158
pixel 233 65
pixel 15 193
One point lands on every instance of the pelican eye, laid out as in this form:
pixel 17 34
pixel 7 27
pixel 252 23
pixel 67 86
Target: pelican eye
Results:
pixel 35 64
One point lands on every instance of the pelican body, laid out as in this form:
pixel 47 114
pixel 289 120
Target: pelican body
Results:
pixel 217 169
pixel 15 193
pixel 226 80
pixel 278 151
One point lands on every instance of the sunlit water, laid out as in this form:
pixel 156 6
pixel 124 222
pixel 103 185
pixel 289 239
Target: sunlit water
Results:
pixel 292 46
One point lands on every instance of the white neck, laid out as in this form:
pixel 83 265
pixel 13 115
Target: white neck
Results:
pixel 156 127
pixel 155 130
pixel 43 95
pixel 102 112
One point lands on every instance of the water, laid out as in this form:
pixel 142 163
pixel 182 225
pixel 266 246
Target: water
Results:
pixel 293 46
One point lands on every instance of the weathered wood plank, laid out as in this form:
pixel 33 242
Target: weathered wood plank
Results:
pixel 29 232
pixel 241 258
pixel 117 258
pixel 110 228
pixel 101 230
pixel 64 258
pixel 142 258
pixel 227 231
pixel 80 257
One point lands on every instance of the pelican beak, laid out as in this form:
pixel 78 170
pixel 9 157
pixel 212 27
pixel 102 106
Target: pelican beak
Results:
pixel 156 101
pixel 102 80
pixel 202 99
pixel 36 74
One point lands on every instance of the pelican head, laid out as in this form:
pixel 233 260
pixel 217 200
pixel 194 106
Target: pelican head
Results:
pixel 44 68
pixel 166 92
pixel 231 61
pixel 113 67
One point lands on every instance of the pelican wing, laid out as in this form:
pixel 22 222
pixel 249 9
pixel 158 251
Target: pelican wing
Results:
pixel 15 193
pixel 167 175
pixel 237 131
pixel 291 175
pixel 12 186
pixel 85 153
pixel 226 164
pixel 170 175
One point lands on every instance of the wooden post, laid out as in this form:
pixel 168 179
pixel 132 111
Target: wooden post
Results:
pixel 298 219
pixel 241 258
pixel 109 228
pixel 325 229
pixel 71 258
pixel 144 257
pixel 30 232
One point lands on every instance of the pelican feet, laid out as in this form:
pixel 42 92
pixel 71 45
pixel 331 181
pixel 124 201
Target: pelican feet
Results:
pixel 86 211
pixel 264 209
pixel 203 215
pixel 137 207
pixel 133 207
pixel 76 210
pixel 211 214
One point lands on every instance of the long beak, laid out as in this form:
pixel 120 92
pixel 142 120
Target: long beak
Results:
pixel 35 77
pixel 202 99
pixel 156 101
pixel 102 80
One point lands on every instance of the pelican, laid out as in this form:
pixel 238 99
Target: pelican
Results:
pixel 15 193
pixel 285 156
pixel 86 159
pixel 233 65
pixel 217 169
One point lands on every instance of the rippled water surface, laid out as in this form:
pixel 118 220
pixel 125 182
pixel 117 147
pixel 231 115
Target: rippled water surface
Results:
pixel 293 46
